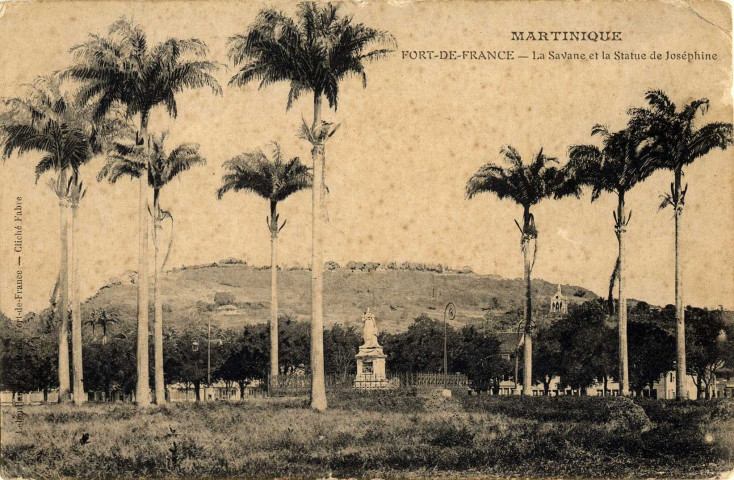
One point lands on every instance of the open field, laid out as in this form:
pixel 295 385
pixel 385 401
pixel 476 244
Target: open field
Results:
pixel 375 435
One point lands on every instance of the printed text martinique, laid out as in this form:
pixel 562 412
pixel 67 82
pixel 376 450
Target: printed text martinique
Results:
pixel 561 36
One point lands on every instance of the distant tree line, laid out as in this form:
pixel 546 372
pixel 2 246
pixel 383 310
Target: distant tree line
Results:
pixel 29 362
pixel 579 348
pixel 472 350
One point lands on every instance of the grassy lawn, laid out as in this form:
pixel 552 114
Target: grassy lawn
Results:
pixel 374 435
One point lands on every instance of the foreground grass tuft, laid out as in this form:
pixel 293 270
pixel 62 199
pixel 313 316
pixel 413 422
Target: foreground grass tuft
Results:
pixel 376 434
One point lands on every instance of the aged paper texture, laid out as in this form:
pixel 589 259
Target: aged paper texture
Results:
pixel 501 200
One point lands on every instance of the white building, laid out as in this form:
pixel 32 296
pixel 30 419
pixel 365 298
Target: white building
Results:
pixel 663 388
pixel 217 391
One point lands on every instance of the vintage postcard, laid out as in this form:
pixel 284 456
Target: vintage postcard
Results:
pixel 366 239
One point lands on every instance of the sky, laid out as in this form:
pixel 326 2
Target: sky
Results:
pixel 398 165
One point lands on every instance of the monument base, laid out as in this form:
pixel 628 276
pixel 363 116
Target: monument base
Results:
pixel 371 368
pixel 370 382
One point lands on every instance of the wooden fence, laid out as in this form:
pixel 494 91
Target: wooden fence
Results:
pixel 292 385
pixel 283 385
pixel 409 379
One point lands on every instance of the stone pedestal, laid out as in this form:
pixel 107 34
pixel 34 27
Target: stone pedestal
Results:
pixel 370 368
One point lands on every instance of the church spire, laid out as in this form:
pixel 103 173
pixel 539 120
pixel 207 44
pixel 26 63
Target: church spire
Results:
pixel 558 302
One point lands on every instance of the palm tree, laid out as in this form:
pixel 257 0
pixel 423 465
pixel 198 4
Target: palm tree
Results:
pixel 48 121
pixel 130 160
pixel 120 69
pixel 616 168
pixel 76 192
pixel 104 320
pixel 313 52
pixel 273 179
pixel 677 142
pixel 526 185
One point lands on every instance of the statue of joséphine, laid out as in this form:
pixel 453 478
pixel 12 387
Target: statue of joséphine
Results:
pixel 369 332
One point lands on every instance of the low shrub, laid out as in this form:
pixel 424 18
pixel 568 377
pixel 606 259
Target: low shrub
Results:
pixel 722 409
pixel 625 415
pixel 681 414
pixel 331 265
pixel 232 261
pixel 399 400
pixel 559 409
pixel 447 433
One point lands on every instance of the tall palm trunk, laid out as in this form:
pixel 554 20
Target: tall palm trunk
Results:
pixel 76 314
pixel 63 310
pixel 680 324
pixel 527 381
pixel 160 386
pixel 612 281
pixel 143 388
pixel 273 290
pixel 622 310
pixel 318 382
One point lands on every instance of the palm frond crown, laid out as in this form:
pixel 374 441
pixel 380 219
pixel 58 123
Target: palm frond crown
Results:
pixel 267 175
pixel 128 159
pixel 50 120
pixel 525 184
pixel 120 69
pixel 313 51
pixel 623 160
pixel 674 137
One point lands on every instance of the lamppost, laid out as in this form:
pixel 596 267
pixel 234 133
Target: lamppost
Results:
pixel 449 313
pixel 517 351
pixel 195 348
pixel 209 354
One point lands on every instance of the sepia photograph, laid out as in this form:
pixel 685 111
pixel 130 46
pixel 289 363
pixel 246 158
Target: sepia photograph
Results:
pixel 366 239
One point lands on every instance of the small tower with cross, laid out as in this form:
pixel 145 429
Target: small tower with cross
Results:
pixel 559 303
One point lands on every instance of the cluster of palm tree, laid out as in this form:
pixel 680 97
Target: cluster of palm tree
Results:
pixel 657 136
pixel 50 120
pixel 274 180
pixel 102 319
pixel 121 70
pixel 525 185
pixel 313 52
pixel 161 167
pixel 121 79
